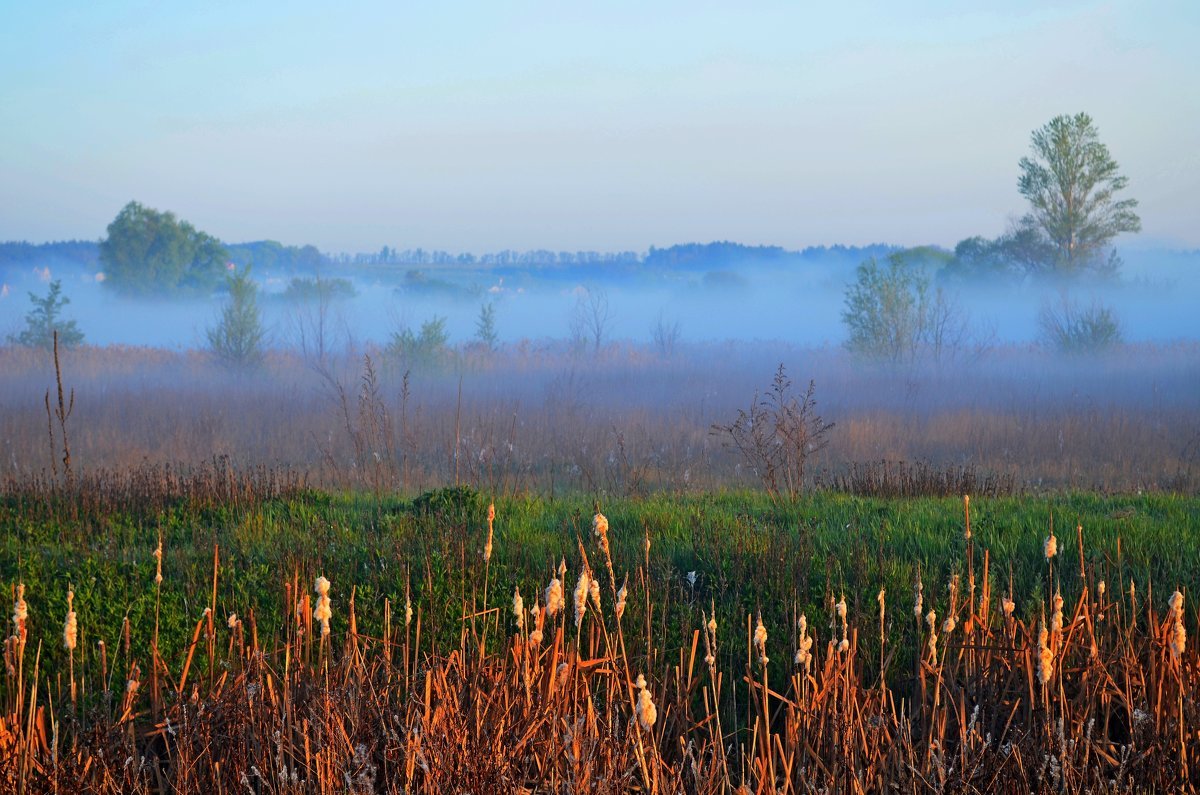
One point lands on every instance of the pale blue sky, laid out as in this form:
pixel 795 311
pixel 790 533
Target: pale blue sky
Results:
pixel 582 126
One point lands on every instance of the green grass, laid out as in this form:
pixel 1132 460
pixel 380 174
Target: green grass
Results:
pixel 749 555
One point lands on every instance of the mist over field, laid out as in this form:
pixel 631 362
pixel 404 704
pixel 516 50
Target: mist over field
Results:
pixel 730 300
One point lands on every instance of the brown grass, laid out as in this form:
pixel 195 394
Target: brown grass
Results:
pixel 295 712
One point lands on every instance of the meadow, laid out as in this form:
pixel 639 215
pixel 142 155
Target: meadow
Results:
pixel 538 571
pixel 219 676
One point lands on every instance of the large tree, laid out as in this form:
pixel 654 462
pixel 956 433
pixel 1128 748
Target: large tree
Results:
pixel 1071 182
pixel 149 252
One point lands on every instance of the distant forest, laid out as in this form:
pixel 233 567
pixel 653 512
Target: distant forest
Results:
pixel 269 256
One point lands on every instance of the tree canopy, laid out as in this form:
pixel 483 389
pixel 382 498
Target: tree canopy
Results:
pixel 148 252
pixel 43 320
pixel 1072 182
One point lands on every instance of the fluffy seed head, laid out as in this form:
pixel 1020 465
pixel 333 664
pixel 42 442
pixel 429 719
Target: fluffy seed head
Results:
pixel 554 597
pixel 1176 604
pixel 581 596
pixel 233 621
pixel 1178 639
pixel 1050 547
pixel 70 627
pixel 841 608
pixel 621 594
pixel 518 608
pixel 1008 605
pixel 646 713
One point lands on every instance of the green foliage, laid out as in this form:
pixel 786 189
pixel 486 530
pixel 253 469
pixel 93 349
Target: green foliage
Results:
pixel 425 350
pixel 1071 182
pixel 884 309
pixel 1070 328
pixel 152 253
pixel 485 327
pixel 237 338
pixel 820 545
pixel 271 256
pixel 43 320
pixel 318 289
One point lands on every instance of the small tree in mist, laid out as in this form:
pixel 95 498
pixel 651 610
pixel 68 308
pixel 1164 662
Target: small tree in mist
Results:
pixel 665 333
pixel 237 338
pixel 485 326
pixel 777 435
pixel 590 319
pixel 428 349
pixel 1068 327
pixel 43 320
pixel 884 309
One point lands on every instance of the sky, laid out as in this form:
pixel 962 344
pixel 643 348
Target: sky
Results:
pixel 582 126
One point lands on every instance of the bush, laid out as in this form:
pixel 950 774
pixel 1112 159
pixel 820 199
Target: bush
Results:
pixel 425 350
pixel 42 321
pixel 1069 328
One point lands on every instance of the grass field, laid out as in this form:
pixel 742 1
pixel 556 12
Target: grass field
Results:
pixel 464 665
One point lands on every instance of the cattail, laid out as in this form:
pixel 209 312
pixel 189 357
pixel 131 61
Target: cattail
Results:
pixel 919 601
pixel 1100 588
pixel 581 596
pixel 710 641
pixel 646 543
pixel 621 594
pixel 554 597
pixel 70 627
pixel 646 713
pixel 967 512
pixel 594 592
pixel 518 608
pixel 1178 632
pixel 1178 639
pixel 535 637
pixel 487 547
pixel 1008 606
pixel 882 607
pixel 1045 656
pixel 1050 547
pixel 931 620
pixel 804 644
pixel 841 608
pixel 1056 617
pixel 158 563
pixel 20 611
pixel 408 611
pixel 233 621
pixel 949 624
pixel 324 609
pixel 600 530
pixel 562 674
pixel 760 640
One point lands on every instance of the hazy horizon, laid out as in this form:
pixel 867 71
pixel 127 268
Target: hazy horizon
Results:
pixel 472 128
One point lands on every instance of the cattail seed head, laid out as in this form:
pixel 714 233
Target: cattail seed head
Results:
pixel 233 621
pixel 554 597
pixel 1175 603
pixel 518 608
pixel 949 624
pixel 919 601
pixel 324 607
pixel 1178 639
pixel 581 596
pixel 646 712
pixel 1101 587
pixel 70 627
pixel 760 640
pixel 20 609
pixel 1008 606
pixel 158 553
pixel 621 595
pixel 931 619
pixel 841 608
pixel 1050 547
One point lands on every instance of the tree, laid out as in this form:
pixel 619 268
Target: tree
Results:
pixel 590 319
pixel 43 320
pixel 1071 182
pixel 237 338
pixel 428 349
pixel 485 327
pixel 149 252
pixel 884 309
